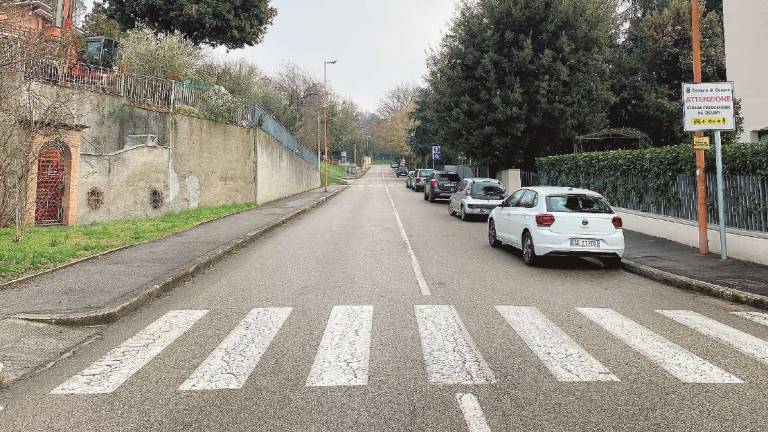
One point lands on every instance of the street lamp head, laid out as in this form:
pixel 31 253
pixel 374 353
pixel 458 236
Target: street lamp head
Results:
pixel 331 62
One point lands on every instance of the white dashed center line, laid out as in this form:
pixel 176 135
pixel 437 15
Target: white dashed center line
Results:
pixel 414 262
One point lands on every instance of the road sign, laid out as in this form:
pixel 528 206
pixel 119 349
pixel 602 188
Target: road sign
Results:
pixel 436 152
pixel 708 107
pixel 343 157
pixel 701 143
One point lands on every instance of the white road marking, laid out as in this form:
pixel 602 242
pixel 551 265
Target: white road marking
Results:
pixel 233 361
pixel 112 370
pixel 344 353
pixel 414 262
pixel 744 342
pixel 560 354
pixel 681 363
pixel 473 413
pixel 758 317
pixel 450 354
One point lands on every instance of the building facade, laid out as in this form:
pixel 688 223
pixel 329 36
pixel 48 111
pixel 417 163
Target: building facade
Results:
pixel 746 45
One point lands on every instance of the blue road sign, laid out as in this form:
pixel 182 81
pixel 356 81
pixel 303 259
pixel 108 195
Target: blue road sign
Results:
pixel 436 152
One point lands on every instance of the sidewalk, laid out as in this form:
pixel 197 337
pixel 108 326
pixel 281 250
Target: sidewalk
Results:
pixel 682 266
pixel 106 287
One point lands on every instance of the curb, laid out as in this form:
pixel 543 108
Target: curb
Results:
pixel 129 303
pixel 686 283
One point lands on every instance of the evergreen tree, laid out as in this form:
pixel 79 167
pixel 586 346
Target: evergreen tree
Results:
pixel 515 79
pixel 652 63
pixel 232 23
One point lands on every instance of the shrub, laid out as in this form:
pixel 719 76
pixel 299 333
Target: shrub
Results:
pixel 143 52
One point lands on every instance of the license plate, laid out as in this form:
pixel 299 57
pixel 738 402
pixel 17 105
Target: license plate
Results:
pixel 585 243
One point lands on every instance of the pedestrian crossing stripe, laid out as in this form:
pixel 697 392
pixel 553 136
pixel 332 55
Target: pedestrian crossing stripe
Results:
pixel 230 364
pixel 560 354
pixel 109 373
pixel 342 358
pixel 679 362
pixel 449 353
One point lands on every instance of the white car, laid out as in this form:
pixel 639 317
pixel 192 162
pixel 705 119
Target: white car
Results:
pixel 551 221
pixel 476 197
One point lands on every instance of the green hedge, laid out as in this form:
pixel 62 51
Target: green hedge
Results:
pixel 645 175
pixel 738 159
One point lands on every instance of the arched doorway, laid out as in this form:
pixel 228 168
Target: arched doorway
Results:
pixel 52 179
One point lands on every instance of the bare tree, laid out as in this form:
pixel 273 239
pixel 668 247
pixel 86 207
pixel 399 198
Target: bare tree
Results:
pixel 29 110
pixel 396 99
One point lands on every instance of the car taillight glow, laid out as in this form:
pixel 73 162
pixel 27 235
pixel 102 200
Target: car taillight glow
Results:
pixel 545 220
pixel 617 222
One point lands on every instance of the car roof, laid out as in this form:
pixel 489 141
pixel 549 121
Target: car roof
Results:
pixel 558 190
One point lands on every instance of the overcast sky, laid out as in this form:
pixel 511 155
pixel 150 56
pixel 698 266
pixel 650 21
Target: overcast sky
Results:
pixel 378 43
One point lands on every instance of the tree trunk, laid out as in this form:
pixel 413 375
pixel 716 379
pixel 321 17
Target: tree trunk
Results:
pixel 20 213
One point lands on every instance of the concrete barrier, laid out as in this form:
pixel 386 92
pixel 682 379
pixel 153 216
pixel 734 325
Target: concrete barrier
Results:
pixel 744 245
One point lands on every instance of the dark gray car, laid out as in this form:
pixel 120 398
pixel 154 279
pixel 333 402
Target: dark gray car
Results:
pixel 441 185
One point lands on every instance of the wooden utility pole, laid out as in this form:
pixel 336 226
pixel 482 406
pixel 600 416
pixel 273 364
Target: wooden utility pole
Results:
pixel 701 167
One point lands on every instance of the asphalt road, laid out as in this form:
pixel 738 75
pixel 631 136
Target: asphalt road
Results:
pixel 324 325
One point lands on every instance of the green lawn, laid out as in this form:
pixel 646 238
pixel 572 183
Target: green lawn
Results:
pixel 47 247
pixel 335 174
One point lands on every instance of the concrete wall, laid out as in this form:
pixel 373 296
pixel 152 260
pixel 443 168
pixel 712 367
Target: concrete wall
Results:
pixel 281 173
pixel 746 42
pixel 197 163
pixel 211 163
pixel 510 178
pixel 743 245
pixel 126 179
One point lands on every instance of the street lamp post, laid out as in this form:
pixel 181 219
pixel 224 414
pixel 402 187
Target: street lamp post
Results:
pixel 325 116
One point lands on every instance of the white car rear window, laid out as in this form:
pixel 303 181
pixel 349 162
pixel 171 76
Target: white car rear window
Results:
pixel 573 203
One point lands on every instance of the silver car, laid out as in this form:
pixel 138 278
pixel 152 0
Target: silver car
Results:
pixel 420 181
pixel 476 197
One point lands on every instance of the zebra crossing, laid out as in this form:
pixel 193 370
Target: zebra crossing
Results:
pixel 450 355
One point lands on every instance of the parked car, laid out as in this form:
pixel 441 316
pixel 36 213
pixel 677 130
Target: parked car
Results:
pixel 476 197
pixel 440 185
pixel 422 175
pixel 402 172
pixel 409 179
pixel 554 221
pixel 394 165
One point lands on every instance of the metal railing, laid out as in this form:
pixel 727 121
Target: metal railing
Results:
pixel 177 97
pixel 746 197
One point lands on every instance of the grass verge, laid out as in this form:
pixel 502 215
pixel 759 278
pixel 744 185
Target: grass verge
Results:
pixel 335 174
pixel 47 247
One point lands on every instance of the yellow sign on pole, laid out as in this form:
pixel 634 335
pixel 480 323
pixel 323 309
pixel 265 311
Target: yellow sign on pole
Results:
pixel 701 143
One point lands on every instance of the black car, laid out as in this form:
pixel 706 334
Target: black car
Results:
pixel 441 185
pixel 402 172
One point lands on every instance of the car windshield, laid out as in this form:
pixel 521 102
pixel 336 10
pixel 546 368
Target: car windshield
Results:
pixel 488 189
pixel 425 173
pixel 449 177
pixel 574 203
